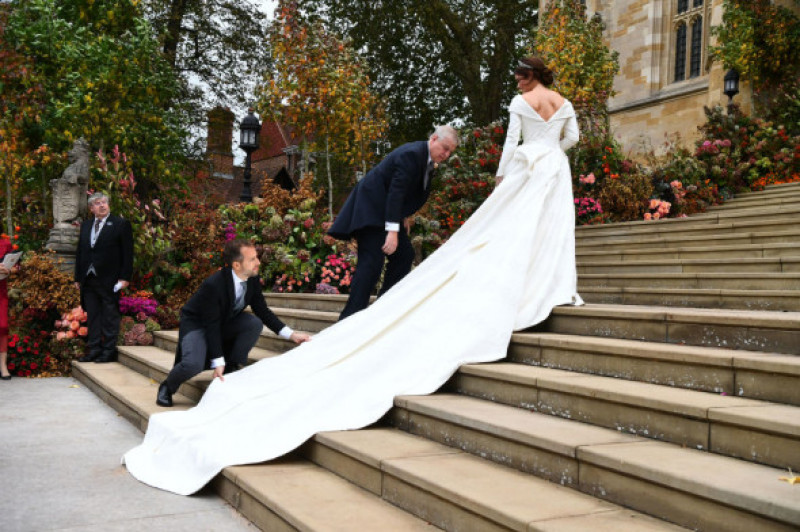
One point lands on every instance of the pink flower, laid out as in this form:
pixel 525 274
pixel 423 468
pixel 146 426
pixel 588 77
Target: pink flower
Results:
pixel 676 184
pixel 657 216
pixel 648 216
pixel 654 203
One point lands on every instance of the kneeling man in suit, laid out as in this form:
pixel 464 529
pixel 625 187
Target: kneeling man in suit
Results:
pixel 214 330
pixel 376 213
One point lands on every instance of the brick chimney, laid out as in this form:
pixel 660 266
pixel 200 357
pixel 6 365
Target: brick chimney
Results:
pixel 220 142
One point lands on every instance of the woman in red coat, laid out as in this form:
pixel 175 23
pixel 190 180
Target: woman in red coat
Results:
pixel 5 247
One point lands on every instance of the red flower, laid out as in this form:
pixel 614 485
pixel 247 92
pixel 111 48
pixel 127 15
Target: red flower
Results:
pixel 11 366
pixel 34 365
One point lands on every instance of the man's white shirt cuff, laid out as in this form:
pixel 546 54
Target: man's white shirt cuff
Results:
pixel 217 362
pixel 392 226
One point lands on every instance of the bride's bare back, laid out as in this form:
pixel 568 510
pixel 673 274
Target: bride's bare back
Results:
pixel 544 101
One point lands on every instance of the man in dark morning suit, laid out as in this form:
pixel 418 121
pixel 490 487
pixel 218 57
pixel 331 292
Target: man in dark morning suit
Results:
pixel 103 267
pixel 377 210
pixel 214 331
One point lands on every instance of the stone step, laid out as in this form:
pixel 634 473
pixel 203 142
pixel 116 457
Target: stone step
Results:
pixel 772 300
pixel 295 494
pixel 788 234
pixel 692 488
pixel 637 253
pixel 718 281
pixel 764 331
pixel 771 377
pixel 711 265
pixel 745 203
pixel 282 495
pixel 267 344
pixel 758 375
pixel 779 191
pixel 457 491
pixel 767 331
pixel 767 218
pixel 748 429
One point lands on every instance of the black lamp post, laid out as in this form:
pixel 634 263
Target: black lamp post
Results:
pixel 248 141
pixel 731 87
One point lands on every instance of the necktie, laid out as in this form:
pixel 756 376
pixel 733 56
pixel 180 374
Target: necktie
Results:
pixel 239 303
pixel 428 173
pixel 96 230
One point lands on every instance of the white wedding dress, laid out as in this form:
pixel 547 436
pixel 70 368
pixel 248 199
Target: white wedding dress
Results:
pixel 504 270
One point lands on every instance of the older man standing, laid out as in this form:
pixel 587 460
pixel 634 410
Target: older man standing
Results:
pixel 103 267
pixel 377 213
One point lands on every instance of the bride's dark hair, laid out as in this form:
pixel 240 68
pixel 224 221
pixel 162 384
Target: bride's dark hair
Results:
pixel 534 68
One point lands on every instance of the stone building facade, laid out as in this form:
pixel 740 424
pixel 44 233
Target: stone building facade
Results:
pixel 666 76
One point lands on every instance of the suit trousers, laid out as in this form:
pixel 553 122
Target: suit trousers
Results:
pixel 371 260
pixel 238 338
pixel 103 317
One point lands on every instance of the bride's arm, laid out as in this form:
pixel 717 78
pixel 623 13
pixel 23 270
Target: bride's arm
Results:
pixel 571 133
pixel 510 146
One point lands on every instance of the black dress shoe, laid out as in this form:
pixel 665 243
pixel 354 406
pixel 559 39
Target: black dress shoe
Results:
pixel 164 397
pixel 91 357
pixel 6 377
pixel 111 357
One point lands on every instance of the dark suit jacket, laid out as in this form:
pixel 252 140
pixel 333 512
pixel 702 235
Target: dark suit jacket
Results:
pixel 389 192
pixel 112 254
pixel 211 308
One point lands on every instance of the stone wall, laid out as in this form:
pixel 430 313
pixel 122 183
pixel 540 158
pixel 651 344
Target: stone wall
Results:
pixel 649 105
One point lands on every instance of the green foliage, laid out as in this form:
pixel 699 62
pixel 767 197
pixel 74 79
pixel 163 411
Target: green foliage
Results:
pixel 202 40
pixel 295 252
pixel 151 232
pixel 435 60
pixel 104 78
pixel 760 40
pixel 740 152
pixel 468 179
pixel 626 197
pixel 319 87
pixel 584 67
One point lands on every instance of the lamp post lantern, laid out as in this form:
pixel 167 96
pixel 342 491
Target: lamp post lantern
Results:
pixel 248 141
pixel 731 87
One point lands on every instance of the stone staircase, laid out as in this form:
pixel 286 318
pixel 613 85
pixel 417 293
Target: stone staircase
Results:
pixel 744 254
pixel 650 415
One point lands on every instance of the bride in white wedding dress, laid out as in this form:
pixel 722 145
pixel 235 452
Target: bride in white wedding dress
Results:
pixel 504 270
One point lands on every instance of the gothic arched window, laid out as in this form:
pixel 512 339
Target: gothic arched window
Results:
pixel 697 47
pixel 688 38
pixel 680 52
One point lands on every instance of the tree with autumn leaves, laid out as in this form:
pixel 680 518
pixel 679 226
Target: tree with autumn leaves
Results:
pixel 21 104
pixel 103 77
pixel 572 46
pixel 320 89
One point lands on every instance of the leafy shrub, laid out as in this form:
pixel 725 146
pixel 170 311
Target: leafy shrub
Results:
pixel 626 197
